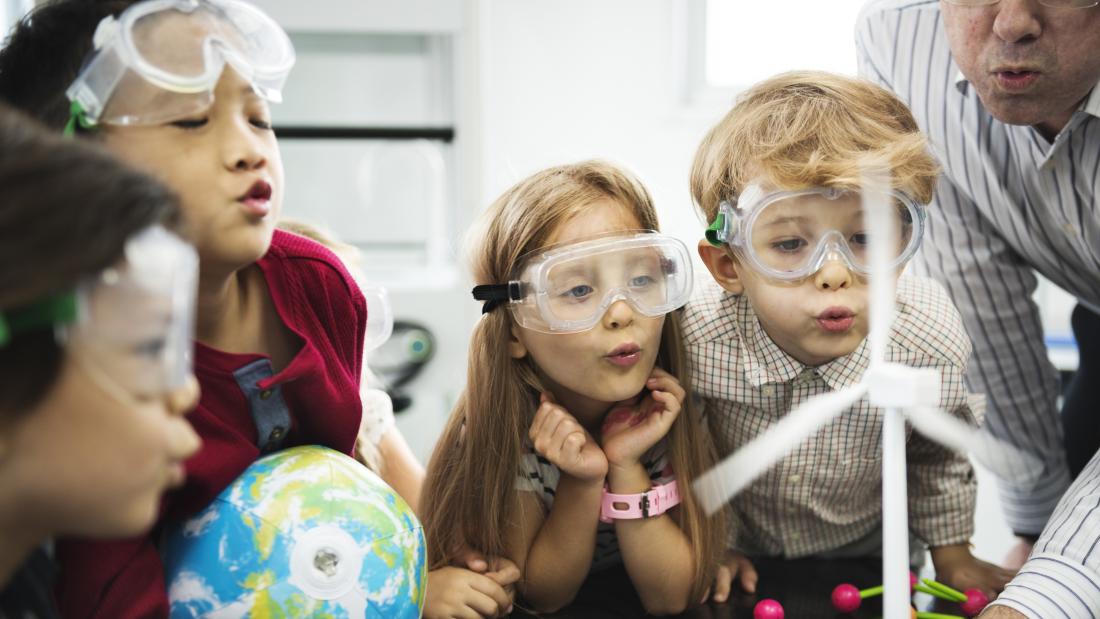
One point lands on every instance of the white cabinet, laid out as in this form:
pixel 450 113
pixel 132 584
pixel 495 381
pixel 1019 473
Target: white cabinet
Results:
pixel 370 79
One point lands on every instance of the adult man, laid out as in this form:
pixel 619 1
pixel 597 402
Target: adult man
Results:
pixel 1062 577
pixel 1006 91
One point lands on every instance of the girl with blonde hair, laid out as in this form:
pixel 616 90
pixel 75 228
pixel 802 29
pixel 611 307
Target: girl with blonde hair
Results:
pixel 573 446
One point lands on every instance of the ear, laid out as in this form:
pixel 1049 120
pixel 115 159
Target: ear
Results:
pixel 516 347
pixel 722 266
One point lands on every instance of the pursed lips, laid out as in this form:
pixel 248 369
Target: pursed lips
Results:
pixel 836 319
pixel 624 355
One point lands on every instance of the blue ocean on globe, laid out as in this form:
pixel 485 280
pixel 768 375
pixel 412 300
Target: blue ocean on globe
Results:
pixel 306 532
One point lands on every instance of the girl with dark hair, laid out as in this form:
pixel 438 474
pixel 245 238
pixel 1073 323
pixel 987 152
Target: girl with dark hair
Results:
pixel 182 90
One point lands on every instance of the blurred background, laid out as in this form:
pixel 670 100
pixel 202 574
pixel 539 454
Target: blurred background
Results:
pixel 403 119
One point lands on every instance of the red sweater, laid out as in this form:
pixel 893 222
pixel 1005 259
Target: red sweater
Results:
pixel 321 304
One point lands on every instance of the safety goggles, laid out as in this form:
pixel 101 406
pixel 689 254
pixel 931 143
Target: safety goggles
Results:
pixel 160 60
pixel 134 323
pixel 567 289
pixel 789 235
pixel 379 317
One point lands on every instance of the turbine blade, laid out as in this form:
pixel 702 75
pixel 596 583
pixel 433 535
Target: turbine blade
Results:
pixel 715 487
pixel 1001 458
pixel 878 217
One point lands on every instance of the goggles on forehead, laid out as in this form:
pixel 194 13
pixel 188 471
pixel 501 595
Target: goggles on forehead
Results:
pixel 788 235
pixel 161 60
pixel 567 289
pixel 135 322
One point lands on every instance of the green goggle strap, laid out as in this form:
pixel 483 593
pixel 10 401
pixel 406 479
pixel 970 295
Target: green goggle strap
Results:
pixel 77 116
pixel 715 228
pixel 58 309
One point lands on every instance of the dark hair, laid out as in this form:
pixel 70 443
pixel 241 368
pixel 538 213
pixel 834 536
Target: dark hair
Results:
pixel 45 52
pixel 66 213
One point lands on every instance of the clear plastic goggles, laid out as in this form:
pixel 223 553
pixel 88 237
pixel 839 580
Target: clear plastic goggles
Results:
pixel 134 326
pixel 161 60
pixel 788 235
pixel 379 317
pixel 568 289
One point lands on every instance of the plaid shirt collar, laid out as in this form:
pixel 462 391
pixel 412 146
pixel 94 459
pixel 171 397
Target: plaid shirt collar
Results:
pixel 765 362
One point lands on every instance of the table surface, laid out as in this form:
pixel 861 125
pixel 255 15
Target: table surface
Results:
pixel 802 586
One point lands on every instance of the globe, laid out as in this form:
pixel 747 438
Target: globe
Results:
pixel 305 532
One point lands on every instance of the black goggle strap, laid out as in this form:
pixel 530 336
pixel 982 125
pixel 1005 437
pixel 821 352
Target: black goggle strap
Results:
pixel 496 295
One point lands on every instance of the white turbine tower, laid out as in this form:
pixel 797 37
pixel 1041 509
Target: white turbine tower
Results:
pixel 902 392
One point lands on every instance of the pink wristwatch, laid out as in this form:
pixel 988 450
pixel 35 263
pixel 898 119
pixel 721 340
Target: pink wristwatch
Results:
pixel 657 501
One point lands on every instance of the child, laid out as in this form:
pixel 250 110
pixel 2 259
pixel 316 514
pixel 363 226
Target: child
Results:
pixel 573 407
pixel 380 444
pixel 280 322
pixel 785 318
pixel 95 307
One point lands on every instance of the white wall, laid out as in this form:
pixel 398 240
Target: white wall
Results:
pixel 10 12
pixel 574 79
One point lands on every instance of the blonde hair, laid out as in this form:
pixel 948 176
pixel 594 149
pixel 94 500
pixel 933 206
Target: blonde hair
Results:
pixel 811 129
pixel 347 253
pixel 470 483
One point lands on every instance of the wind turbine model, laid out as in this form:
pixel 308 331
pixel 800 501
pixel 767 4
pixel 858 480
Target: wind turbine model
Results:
pixel 902 392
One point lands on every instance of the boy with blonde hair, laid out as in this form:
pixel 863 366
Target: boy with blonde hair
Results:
pixel 785 318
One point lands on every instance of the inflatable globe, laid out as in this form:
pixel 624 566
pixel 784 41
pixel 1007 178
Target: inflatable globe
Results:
pixel 306 532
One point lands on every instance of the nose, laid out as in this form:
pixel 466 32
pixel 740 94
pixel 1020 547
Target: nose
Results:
pixel 182 439
pixel 619 315
pixel 1018 21
pixel 183 398
pixel 243 150
pixel 833 275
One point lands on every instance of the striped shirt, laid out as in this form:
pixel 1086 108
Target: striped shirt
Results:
pixel 1062 577
pixel 1009 203
pixel 539 475
pixel 827 493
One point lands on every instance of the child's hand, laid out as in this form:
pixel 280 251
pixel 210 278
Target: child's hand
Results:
pixel 500 569
pixel 628 432
pixel 504 573
pixel 458 593
pixel 562 440
pixel 959 569
pixel 735 566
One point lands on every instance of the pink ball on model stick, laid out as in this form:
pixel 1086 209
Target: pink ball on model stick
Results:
pixel 846 598
pixel 975 603
pixel 767 609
